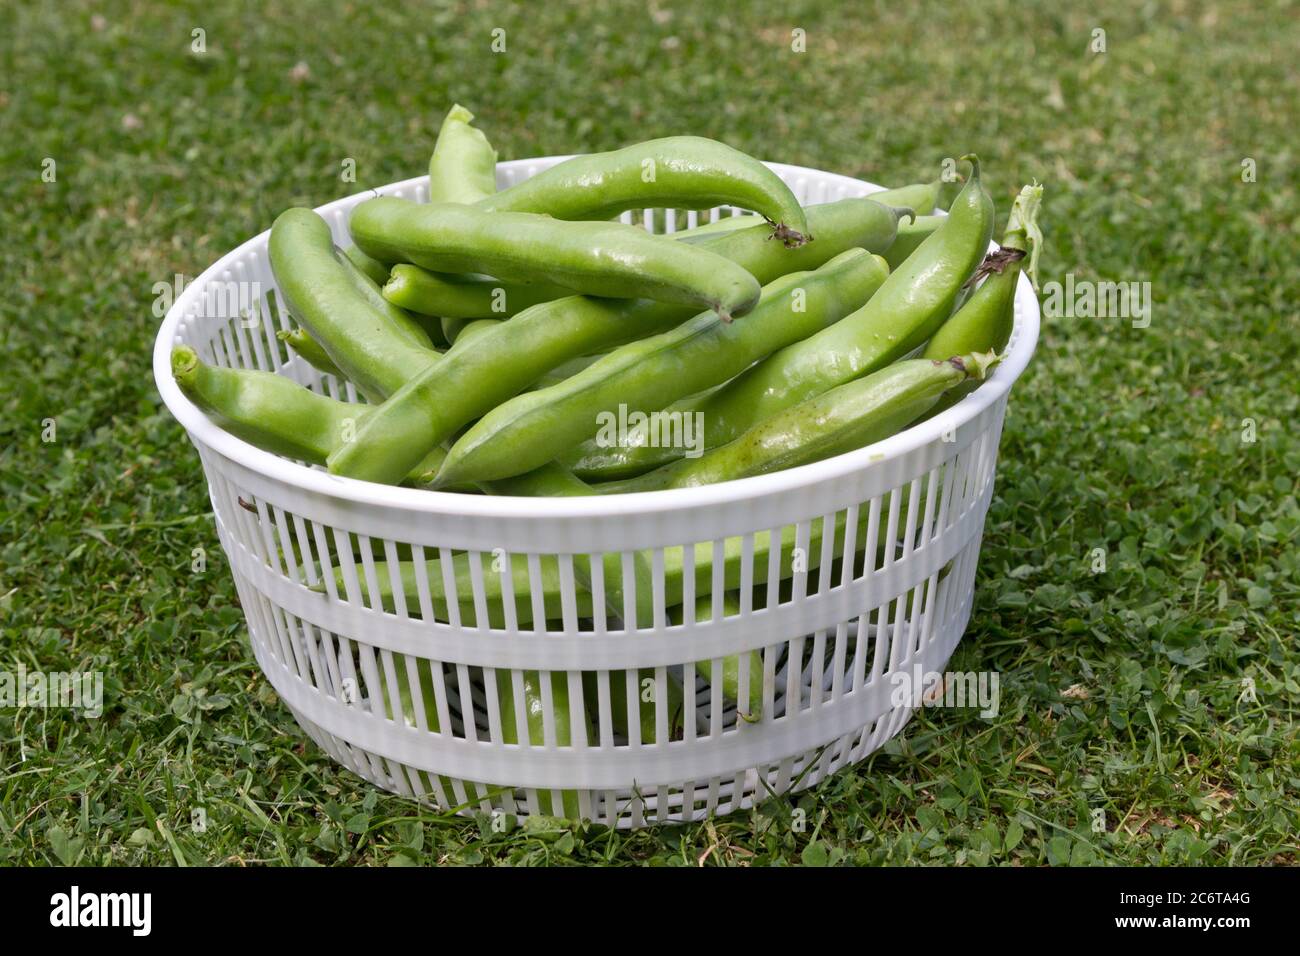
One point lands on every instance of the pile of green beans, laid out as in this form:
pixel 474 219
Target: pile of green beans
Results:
pixel 560 320
pixel 906 310
pixel 493 336
pixel 522 433
pixel 496 335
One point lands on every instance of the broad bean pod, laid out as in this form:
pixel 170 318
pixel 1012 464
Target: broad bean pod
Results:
pixel 676 172
pixel 463 167
pixel 323 295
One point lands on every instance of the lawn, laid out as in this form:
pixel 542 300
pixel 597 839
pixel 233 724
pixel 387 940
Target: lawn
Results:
pixel 1149 710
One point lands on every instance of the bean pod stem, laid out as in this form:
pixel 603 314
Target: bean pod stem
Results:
pixel 984 321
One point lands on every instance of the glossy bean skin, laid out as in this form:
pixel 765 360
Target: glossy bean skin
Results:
pixel 301 342
pixel 451 328
pixel 984 321
pixel 504 360
pixel 270 411
pixel 553 377
pixel 323 296
pixel 463 167
pixel 470 330
pixel 676 172
pixel 463 297
pixel 842 419
pixel 595 258
pixel 567 370
pixel 907 309
pixel 414 330
pixel 524 432
pixel 410 328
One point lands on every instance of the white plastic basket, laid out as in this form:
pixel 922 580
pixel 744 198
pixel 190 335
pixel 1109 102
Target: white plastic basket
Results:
pixel 840 628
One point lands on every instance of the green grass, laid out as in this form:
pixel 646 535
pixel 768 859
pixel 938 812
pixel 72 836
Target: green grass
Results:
pixel 1120 691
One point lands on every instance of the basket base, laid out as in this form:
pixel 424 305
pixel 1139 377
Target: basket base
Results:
pixel 642 804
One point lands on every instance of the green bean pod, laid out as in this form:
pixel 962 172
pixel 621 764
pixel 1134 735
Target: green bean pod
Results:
pixel 300 341
pixel 501 362
pixel 676 172
pixel 376 270
pixel 463 297
pixel 984 322
pixel 842 419
pixel 322 294
pixel 596 258
pixel 463 167
pixel 267 410
pixel 524 432
pixel 533 717
pixel 277 414
pixel 921 198
pixel 729 673
pixel 476 327
pixel 911 304
pixel 451 328
pixel 923 194
pixel 408 326
pixel 909 238
pixel 643 710
pixel 567 370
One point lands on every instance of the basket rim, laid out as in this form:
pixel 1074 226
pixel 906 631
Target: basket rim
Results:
pixel 206 433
